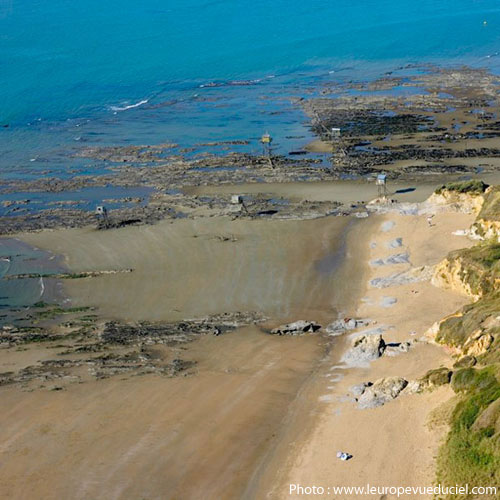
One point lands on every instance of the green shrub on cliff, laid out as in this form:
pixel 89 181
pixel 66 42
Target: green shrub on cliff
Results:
pixel 472 186
pixel 480 266
pixel 471 453
pixel 455 330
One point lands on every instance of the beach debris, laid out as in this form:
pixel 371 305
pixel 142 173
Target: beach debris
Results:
pixel 102 214
pixel 361 215
pixel 365 348
pixel 296 328
pixel 381 392
pixel 342 455
pixel 381 183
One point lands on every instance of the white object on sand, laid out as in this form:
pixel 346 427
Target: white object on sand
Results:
pixel 343 456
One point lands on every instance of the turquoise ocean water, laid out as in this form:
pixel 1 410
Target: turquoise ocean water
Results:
pixel 190 71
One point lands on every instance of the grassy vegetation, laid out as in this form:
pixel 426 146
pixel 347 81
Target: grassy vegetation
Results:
pixel 472 186
pixel 471 453
pixel 455 330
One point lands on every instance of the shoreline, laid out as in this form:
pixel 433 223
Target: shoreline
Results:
pixel 312 459
pixel 316 413
pixel 245 379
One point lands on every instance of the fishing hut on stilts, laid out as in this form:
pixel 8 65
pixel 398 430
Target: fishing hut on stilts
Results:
pixel 266 141
pixel 381 183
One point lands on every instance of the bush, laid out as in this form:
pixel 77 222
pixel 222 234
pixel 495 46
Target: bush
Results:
pixel 471 455
pixel 472 186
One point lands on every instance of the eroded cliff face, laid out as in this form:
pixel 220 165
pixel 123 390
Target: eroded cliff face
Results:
pixel 471 452
pixel 452 274
pixel 487 225
pixel 485 230
pixel 461 202
pixel 474 271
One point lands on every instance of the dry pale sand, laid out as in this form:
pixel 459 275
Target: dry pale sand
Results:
pixel 392 445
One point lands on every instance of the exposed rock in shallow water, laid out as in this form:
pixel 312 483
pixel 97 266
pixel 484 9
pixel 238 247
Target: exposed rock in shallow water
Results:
pixel 296 328
pixel 173 333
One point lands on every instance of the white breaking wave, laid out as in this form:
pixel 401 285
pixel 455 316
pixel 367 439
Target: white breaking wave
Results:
pixel 42 287
pixel 124 108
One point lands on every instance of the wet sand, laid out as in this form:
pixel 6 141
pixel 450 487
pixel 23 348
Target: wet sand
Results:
pixel 201 436
pixel 191 268
pixel 344 191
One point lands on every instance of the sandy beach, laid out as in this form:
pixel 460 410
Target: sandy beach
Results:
pixel 393 445
pixel 260 412
pixel 154 437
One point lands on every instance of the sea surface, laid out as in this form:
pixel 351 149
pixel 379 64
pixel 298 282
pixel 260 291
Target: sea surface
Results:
pixel 127 72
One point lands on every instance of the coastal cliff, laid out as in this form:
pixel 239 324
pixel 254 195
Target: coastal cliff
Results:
pixel 487 225
pixel 471 452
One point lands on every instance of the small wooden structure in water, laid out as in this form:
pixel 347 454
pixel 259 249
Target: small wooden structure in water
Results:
pixel 266 141
pixel 102 214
